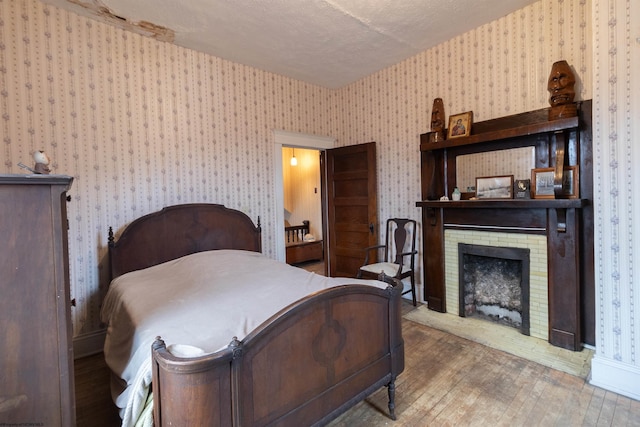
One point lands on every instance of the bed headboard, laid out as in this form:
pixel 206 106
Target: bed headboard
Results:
pixel 180 230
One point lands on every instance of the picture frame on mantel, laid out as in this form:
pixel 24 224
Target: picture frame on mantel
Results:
pixel 494 187
pixel 542 185
pixel 460 125
pixel 522 189
pixel 570 182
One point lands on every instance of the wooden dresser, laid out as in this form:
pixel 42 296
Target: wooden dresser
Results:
pixel 36 358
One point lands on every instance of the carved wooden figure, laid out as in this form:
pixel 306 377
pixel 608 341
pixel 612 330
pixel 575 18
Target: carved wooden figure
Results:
pixel 437 121
pixel 561 89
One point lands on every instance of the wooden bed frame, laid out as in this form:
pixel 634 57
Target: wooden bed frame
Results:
pixel 306 365
pixel 299 250
pixel 180 230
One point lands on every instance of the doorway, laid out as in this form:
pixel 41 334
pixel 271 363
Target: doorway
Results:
pixel 349 201
pixel 294 140
pixel 301 188
pixel 303 220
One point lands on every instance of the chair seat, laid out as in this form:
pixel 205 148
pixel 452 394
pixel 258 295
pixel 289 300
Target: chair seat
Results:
pixel 399 247
pixel 388 268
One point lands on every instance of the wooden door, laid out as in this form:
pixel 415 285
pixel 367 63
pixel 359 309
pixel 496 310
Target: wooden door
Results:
pixel 352 207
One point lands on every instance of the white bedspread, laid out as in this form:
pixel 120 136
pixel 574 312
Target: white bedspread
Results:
pixel 197 304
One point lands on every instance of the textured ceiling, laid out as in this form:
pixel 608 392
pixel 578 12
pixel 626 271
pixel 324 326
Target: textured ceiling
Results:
pixel 329 43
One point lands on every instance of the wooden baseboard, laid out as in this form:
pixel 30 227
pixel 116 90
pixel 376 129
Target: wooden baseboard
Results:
pixel 88 344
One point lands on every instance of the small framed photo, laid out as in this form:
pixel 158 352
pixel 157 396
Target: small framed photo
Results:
pixel 522 189
pixel 570 182
pixel 542 183
pixel 460 125
pixel 494 187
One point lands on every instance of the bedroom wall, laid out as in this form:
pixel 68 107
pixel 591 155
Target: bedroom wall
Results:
pixel 496 70
pixel 139 124
pixel 616 52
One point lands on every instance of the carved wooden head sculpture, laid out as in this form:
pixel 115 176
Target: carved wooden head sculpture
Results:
pixel 437 115
pixel 561 84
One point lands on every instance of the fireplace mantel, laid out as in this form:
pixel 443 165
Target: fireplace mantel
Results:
pixel 566 223
pixel 530 205
pixel 506 204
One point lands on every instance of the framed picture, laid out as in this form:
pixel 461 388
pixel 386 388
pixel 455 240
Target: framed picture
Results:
pixel 542 183
pixel 494 187
pixel 460 125
pixel 522 189
pixel 570 182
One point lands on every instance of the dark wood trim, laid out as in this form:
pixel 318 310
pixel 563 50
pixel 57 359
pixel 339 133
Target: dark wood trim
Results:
pixel 567 223
pixel 506 204
pixel 495 130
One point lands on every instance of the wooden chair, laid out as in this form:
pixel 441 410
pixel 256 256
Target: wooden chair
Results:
pixel 400 243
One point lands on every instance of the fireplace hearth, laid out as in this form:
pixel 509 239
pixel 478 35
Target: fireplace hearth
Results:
pixel 494 284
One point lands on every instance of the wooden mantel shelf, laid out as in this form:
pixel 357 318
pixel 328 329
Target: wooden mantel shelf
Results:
pixel 490 135
pixel 506 204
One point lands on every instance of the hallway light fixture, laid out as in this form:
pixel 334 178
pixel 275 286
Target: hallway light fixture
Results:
pixel 294 161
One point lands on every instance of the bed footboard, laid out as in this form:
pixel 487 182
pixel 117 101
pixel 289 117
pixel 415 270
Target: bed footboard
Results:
pixel 304 366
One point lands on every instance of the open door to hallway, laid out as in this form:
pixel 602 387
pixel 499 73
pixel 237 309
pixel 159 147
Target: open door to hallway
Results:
pixel 351 206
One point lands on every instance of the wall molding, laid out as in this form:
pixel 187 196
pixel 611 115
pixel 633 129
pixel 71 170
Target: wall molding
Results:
pixel 617 377
pixel 89 344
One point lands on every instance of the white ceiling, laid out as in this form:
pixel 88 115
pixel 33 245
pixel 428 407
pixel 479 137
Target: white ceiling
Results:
pixel 329 43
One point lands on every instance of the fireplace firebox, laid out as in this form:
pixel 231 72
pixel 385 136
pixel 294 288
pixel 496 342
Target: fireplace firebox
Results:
pixel 494 284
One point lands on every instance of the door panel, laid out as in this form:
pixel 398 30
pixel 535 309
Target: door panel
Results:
pixel 351 206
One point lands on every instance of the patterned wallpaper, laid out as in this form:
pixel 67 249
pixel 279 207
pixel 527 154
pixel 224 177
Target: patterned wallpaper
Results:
pixel 497 69
pixel 616 47
pixel 142 124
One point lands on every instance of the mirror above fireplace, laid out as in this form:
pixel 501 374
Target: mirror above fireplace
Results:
pixel 512 161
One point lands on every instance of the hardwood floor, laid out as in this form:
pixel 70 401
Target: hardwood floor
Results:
pixel 447 381
pixel 94 407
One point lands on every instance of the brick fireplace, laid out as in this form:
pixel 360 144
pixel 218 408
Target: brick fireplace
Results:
pixel 537 280
pixel 555 222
